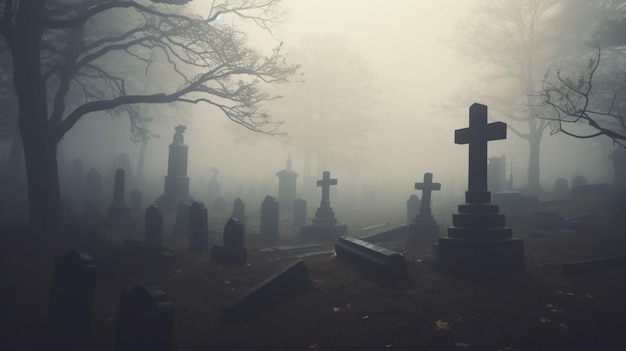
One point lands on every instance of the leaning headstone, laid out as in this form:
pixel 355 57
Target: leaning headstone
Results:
pixel 198 228
pixel 176 181
pixel 233 250
pixel 153 225
pixel 145 320
pixel 299 212
pixel 286 187
pixel 119 213
pixel 424 228
pixel 412 208
pixel 269 218
pixel 293 278
pixel 71 300
pixel 181 226
pixel 324 226
pixel 478 242
pixel 388 263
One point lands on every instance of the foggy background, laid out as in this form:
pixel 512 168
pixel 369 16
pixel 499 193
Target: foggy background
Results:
pixel 413 73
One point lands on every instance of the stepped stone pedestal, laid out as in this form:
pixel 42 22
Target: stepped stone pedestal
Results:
pixel 324 226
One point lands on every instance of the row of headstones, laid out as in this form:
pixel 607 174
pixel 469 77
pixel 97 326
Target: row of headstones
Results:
pixel 145 316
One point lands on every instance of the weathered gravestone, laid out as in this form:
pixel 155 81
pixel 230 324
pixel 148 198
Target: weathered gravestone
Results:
pixel 424 228
pixel 233 250
pixel 71 300
pixel 153 228
pixel 239 212
pixel 324 226
pixel 292 279
pixel 145 320
pixel 269 218
pixel 388 263
pixel 181 225
pixel 176 181
pixel 286 187
pixel 299 212
pixel 412 208
pixel 119 213
pixel 198 228
pixel 478 241
pixel 135 202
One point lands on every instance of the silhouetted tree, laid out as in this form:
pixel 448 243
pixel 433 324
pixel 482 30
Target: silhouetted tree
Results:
pixel 71 58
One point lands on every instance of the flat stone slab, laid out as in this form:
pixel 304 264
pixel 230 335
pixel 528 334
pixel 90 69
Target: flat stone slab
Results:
pixel 376 227
pixel 386 234
pixel 290 247
pixel 294 277
pixel 593 265
pixel 316 253
pixel 388 263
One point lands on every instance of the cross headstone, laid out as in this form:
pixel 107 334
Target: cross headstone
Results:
pixel 325 213
pixel 71 299
pixel 145 320
pixel 477 136
pixel 198 228
pixel 269 217
pixel 324 226
pixel 427 187
pixel 153 225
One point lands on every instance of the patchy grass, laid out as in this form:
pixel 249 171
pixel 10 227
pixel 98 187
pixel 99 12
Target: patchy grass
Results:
pixel 345 308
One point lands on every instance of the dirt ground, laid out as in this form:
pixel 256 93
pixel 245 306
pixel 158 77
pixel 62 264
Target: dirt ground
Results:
pixel 345 308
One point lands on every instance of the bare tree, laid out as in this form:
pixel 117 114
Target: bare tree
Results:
pixel 75 58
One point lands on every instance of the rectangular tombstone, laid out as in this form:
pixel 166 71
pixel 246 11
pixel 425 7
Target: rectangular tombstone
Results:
pixel 233 250
pixel 412 208
pixel 145 320
pixel 269 218
pixel 153 225
pixel 293 278
pixel 389 263
pixel 71 300
pixel 198 228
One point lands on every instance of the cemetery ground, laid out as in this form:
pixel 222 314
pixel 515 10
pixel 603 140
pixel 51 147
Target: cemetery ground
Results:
pixel 345 308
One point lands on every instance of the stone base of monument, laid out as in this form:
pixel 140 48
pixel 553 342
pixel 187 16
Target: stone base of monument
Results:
pixel 423 230
pixel 229 255
pixel 119 214
pixel 323 231
pixel 482 258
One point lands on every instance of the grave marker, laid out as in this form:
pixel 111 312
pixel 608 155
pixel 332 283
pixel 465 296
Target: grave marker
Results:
pixel 269 218
pixel 324 226
pixel 198 228
pixel 387 263
pixel 119 213
pixel 287 187
pixel 233 250
pixel 412 208
pixel 424 228
pixel 176 187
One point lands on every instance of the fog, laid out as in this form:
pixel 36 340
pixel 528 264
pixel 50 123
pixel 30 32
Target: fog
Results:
pixel 414 73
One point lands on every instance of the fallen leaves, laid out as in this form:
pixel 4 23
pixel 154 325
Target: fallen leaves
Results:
pixel 461 345
pixel 441 325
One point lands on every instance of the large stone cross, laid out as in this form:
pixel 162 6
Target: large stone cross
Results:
pixel 477 136
pixel 325 183
pixel 427 187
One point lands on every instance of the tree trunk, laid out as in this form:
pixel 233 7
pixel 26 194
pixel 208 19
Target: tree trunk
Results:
pixel 15 160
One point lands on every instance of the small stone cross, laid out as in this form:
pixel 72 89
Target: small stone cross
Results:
pixel 325 183
pixel 427 187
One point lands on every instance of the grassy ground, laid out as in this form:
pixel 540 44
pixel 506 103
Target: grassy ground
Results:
pixel 345 308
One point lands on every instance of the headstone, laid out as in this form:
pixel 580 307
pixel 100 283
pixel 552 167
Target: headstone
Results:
pixel 299 212
pixel 579 181
pixel 324 226
pixel 496 173
pixel 560 186
pixel 412 208
pixel 119 213
pixel 71 300
pixel 424 228
pixel 239 212
pixel 292 279
pixel 269 218
pixel 233 251
pixel 135 202
pixel 181 226
pixel 93 185
pixel 176 180
pixel 388 263
pixel 145 320
pixel 287 187
pixel 478 242
pixel 153 225
pixel 198 228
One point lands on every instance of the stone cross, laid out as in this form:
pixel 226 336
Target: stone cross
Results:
pixel 325 183
pixel 477 136
pixel 427 187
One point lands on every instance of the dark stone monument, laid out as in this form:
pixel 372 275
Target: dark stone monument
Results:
pixel 292 279
pixel 387 263
pixel 233 251
pixel 145 320
pixel 198 228
pixel 135 202
pixel 181 226
pixel 561 187
pixel 119 213
pixel 412 208
pixel 239 212
pixel 478 241
pixel 176 180
pixel 286 187
pixel 71 299
pixel 269 218
pixel 324 226
pixel 153 230
pixel 299 212
pixel 424 228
